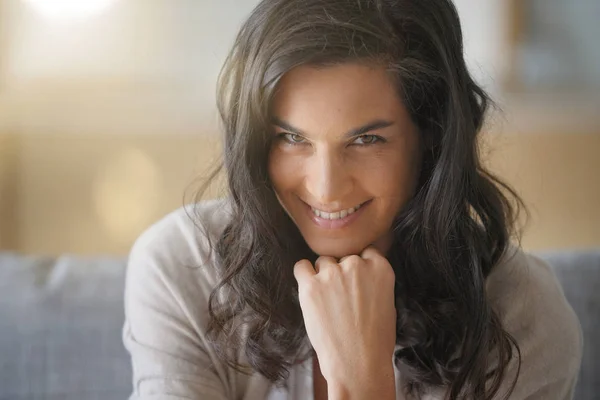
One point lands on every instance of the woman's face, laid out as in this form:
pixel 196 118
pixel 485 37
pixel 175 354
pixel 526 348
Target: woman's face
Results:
pixel 346 158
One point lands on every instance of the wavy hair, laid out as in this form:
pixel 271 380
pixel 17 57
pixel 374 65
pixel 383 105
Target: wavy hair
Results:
pixel 447 239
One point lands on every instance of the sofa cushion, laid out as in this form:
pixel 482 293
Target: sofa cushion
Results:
pixel 579 274
pixel 60 324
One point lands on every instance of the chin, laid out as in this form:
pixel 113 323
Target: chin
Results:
pixel 338 250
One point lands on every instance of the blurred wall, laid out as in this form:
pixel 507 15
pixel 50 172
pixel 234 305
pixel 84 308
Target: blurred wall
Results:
pixel 96 193
pixel 139 67
pixel 557 176
pixel 484 31
pixel 9 176
pixel 105 123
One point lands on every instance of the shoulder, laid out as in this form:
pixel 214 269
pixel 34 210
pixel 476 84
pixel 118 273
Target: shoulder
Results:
pixel 529 300
pixel 523 288
pixel 178 230
pixel 178 249
pixel 185 235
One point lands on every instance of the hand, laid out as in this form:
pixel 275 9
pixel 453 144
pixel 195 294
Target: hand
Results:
pixel 350 317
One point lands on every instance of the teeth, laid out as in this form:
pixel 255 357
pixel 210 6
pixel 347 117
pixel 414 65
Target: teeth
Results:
pixel 335 215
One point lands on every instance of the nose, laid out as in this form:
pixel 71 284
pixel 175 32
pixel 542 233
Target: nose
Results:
pixel 328 181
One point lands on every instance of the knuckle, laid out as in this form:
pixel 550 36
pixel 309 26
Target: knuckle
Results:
pixel 372 252
pixel 352 261
pixel 322 262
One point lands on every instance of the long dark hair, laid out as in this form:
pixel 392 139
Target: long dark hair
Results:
pixel 448 238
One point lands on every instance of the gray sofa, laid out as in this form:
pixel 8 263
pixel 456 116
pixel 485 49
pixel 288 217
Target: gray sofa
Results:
pixel 60 325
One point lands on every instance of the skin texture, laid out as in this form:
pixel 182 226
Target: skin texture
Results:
pixel 347 297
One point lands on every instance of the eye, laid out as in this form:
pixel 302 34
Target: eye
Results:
pixel 367 140
pixel 292 138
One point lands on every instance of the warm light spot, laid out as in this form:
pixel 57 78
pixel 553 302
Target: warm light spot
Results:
pixel 127 194
pixel 69 9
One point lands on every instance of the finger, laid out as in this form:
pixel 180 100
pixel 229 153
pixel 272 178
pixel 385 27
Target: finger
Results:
pixel 325 262
pixel 346 257
pixel 303 270
pixel 375 258
pixel 371 253
pixel 352 259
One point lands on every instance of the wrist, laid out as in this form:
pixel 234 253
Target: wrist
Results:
pixel 373 384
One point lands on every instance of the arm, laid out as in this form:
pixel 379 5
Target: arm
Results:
pixel 169 357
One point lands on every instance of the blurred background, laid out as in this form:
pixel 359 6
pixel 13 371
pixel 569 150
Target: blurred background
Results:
pixel 107 114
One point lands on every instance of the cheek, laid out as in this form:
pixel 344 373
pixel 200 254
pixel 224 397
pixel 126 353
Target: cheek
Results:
pixel 284 171
pixel 391 177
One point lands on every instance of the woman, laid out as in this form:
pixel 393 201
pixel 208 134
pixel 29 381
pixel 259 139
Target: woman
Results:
pixel 363 252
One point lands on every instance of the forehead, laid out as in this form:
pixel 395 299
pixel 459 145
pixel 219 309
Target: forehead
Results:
pixel 353 93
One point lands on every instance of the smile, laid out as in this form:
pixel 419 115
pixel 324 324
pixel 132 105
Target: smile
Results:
pixel 337 219
pixel 335 215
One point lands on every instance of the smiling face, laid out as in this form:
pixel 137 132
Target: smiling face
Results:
pixel 346 157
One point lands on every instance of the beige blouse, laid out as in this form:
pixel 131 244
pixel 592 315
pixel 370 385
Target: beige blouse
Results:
pixel 171 275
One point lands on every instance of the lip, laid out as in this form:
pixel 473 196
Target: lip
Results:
pixel 335 223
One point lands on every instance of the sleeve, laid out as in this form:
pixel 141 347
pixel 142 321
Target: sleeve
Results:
pixel 536 313
pixel 170 359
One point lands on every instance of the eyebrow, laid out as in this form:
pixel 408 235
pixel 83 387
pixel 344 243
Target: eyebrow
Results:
pixel 371 126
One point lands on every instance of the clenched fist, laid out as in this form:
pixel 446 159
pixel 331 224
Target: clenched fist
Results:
pixel 350 319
